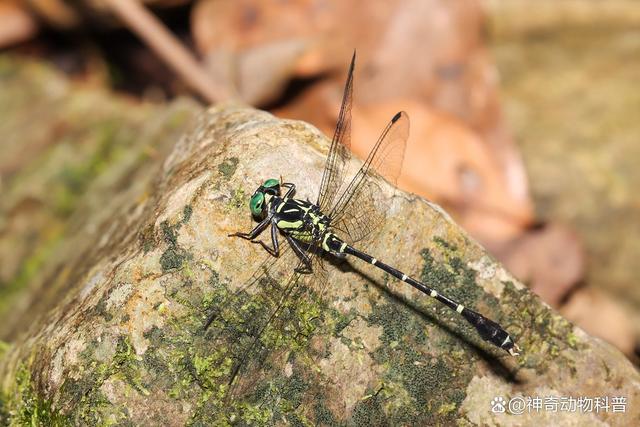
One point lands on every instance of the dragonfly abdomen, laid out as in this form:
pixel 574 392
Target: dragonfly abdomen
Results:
pixel 489 330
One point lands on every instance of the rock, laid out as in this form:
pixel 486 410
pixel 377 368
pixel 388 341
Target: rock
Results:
pixel 125 342
pixel 67 152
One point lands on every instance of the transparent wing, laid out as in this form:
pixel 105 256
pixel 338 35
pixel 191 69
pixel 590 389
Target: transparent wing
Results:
pixel 260 343
pixel 285 333
pixel 340 150
pixel 356 214
pixel 266 316
pixel 270 266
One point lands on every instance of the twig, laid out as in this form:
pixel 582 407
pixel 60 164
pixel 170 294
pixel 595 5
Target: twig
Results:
pixel 155 34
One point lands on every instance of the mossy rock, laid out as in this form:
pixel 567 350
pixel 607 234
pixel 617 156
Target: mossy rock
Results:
pixel 125 344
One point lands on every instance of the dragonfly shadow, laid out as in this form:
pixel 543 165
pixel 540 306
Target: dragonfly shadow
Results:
pixel 498 363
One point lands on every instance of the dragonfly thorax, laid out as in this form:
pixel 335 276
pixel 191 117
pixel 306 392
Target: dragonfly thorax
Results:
pixel 300 219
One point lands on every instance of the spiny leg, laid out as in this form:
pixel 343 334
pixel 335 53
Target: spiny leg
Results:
pixel 306 261
pixel 291 188
pixel 275 250
pixel 255 232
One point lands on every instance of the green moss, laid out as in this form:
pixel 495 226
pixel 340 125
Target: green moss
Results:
pixel 256 414
pixel 419 388
pixel 422 378
pixel 127 365
pixel 228 167
pixel 341 320
pixel 428 388
pixel 444 244
pixel 74 179
pixel 147 238
pixel 96 410
pixel 186 214
pixel 394 320
pixel 370 412
pixel 294 389
pixel 210 369
pixel 572 340
pixel 451 277
pixel 101 309
pixel 323 415
pixel 542 334
pixel 170 233
pixel 295 421
pixel 172 259
pixel 238 199
pixel 25 406
pixel 283 395
pixel 28 270
pixel 433 272
pixel 446 408
pixel 231 339
pixel 180 361
pixel 84 395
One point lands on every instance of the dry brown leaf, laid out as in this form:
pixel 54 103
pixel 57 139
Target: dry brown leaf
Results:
pixel 16 23
pixel 450 164
pixel 329 31
pixel 258 75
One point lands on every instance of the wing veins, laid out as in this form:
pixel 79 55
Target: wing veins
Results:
pixel 340 149
pixel 400 123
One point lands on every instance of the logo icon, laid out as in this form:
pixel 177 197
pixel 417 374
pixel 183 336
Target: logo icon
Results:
pixel 498 405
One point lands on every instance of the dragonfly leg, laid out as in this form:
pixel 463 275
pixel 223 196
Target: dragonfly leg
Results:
pixel 275 250
pixel 306 269
pixel 255 232
pixel 291 188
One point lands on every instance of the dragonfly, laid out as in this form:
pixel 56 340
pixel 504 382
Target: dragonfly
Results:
pixel 344 214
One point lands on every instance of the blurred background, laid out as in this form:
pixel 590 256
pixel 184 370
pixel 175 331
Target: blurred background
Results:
pixel 524 117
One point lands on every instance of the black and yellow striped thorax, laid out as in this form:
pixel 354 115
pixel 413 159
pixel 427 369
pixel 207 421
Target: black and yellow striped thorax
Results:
pixel 301 220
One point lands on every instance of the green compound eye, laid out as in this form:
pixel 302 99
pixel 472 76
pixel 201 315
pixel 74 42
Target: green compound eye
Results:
pixel 256 202
pixel 270 183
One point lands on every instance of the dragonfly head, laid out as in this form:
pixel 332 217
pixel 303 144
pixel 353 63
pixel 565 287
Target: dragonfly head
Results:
pixel 260 199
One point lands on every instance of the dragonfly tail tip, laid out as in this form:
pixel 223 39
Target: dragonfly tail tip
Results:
pixel 515 350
